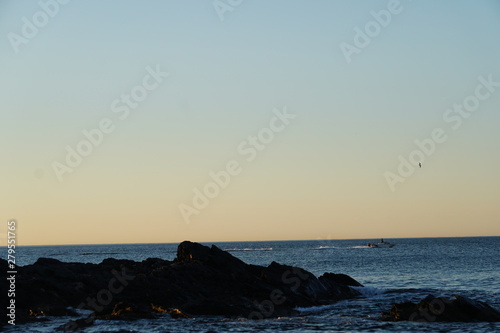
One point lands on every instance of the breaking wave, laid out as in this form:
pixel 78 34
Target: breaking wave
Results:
pixel 340 247
pixel 249 249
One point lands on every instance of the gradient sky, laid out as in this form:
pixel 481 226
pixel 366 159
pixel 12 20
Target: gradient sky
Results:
pixel 322 177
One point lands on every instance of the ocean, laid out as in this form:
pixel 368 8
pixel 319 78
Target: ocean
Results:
pixel 413 269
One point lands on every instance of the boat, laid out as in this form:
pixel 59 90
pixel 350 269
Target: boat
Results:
pixel 381 245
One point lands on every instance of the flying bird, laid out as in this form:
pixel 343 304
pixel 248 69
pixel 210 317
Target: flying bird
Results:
pixel 419 164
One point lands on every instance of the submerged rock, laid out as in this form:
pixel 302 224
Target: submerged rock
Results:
pixel 430 309
pixel 200 281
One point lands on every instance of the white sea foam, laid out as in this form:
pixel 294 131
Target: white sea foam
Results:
pixel 340 247
pixel 81 312
pixel 315 309
pixel 325 247
pixel 250 249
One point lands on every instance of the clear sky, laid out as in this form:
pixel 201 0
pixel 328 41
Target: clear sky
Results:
pixel 354 84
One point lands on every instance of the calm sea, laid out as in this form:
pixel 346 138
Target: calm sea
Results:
pixel 410 271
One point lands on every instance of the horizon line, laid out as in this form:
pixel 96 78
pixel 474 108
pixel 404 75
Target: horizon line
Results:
pixel 255 241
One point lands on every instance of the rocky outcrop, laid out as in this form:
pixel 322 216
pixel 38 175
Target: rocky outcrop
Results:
pixel 430 309
pixel 200 281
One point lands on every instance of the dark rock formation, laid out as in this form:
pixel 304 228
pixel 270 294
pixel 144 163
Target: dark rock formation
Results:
pixel 430 309
pixel 200 281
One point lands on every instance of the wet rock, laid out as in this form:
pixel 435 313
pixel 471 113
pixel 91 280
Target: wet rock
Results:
pixel 340 279
pixel 442 309
pixel 200 281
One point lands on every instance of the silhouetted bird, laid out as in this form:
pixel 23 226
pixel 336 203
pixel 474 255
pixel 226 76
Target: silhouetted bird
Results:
pixel 419 164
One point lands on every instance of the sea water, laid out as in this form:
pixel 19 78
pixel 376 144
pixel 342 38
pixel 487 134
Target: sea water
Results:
pixel 411 270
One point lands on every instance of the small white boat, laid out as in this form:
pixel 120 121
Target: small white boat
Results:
pixel 382 244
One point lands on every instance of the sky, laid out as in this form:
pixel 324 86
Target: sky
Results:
pixel 237 120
